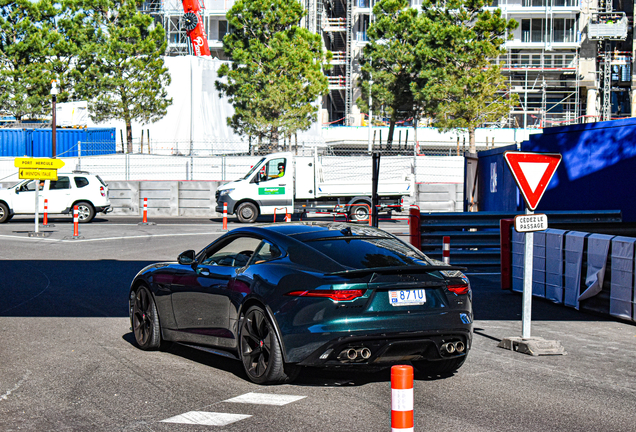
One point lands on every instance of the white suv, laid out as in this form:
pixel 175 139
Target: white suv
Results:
pixel 86 191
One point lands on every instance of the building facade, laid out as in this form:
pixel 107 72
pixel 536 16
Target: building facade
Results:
pixel 569 61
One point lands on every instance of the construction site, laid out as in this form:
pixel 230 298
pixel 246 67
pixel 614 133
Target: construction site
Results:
pixel 569 61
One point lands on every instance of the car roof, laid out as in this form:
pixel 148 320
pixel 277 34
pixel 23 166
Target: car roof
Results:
pixel 305 231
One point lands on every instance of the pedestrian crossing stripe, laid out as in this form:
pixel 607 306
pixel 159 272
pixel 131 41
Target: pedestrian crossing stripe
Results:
pixel 265 399
pixel 203 418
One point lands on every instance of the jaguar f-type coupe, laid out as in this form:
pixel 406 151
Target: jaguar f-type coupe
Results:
pixel 282 296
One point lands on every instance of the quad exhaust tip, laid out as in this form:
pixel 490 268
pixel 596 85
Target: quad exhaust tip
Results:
pixel 453 347
pixel 352 354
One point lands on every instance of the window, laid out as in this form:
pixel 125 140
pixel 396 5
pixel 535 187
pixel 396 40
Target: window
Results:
pixel 368 253
pixel 222 29
pixel 234 254
pixel 266 252
pixel 61 183
pixel 273 169
pixel 81 182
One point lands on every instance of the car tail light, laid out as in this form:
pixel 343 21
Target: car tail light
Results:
pixel 459 288
pixel 102 191
pixel 335 295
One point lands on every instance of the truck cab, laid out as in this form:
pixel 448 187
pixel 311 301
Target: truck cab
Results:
pixel 268 188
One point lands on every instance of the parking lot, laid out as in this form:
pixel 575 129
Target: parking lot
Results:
pixel 68 359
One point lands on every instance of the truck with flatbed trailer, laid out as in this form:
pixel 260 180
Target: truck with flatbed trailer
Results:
pixel 283 183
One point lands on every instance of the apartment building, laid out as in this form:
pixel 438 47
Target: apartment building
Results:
pixel 569 61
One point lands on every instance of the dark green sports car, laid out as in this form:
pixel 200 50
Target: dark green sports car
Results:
pixel 278 297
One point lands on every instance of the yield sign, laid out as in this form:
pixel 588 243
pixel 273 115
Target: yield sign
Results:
pixel 532 172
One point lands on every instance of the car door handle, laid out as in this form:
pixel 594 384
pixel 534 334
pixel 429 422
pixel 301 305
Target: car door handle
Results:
pixel 203 271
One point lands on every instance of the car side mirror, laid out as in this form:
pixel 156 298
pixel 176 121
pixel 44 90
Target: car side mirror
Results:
pixel 187 257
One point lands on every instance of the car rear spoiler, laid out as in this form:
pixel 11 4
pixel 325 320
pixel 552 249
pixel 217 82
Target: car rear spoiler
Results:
pixel 395 270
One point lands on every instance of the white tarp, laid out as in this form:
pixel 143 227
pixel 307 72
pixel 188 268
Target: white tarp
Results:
pixel 69 114
pixel 198 115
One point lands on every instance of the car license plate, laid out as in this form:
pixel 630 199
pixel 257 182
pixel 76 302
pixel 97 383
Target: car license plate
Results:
pixel 407 297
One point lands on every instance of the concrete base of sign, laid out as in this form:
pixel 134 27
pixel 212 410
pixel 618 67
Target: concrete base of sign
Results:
pixel 38 234
pixel 73 237
pixel 146 223
pixel 534 346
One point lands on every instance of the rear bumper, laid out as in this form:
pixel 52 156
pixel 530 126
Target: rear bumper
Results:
pixel 104 209
pixel 386 350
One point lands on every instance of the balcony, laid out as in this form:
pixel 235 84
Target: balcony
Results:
pixel 335 25
pixel 528 7
pixel 608 26
pixel 339 57
pixel 338 82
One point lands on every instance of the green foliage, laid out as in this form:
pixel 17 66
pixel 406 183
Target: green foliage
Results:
pixel 276 74
pixel 123 70
pixel 24 83
pixel 104 51
pixel 462 82
pixel 389 60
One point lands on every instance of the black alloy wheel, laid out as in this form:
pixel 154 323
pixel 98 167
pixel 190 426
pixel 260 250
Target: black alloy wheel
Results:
pixel 260 350
pixel 144 319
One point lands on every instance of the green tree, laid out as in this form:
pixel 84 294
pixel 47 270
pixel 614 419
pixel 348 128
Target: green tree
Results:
pixel 456 58
pixel 276 74
pixel 125 77
pixel 389 60
pixel 24 83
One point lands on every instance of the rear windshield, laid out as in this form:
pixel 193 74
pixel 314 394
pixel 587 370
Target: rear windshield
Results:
pixel 369 253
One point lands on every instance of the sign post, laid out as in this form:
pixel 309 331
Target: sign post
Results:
pixel 532 173
pixel 38 169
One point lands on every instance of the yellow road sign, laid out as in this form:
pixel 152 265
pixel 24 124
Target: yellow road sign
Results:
pixel 38 163
pixel 38 174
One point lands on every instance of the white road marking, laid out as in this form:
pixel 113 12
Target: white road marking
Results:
pixel 206 418
pixel 108 238
pixel 17 386
pixel 265 399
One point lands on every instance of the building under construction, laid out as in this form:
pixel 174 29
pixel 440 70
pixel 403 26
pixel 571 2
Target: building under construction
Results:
pixel 569 61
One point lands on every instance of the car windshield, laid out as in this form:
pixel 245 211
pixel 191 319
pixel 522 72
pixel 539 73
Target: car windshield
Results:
pixel 254 168
pixel 369 253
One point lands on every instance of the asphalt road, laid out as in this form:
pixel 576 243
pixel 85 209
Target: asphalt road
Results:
pixel 68 361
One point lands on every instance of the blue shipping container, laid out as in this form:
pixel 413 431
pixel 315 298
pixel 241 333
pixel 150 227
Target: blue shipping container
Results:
pixel 38 142
pixel 598 167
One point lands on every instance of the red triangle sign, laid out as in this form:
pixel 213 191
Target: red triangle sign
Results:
pixel 532 172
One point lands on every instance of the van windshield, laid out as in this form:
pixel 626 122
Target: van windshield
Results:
pixel 254 168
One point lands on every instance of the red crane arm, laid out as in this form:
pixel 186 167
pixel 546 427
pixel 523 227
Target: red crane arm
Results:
pixel 194 27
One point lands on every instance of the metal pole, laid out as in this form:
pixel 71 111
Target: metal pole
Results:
pixel 54 93
pixel 79 155
pixel 370 149
pixel 526 318
pixel 374 196
pixel 37 205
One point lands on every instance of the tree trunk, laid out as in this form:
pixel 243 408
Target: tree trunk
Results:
pixel 389 140
pixel 129 139
pixel 273 140
pixel 471 140
pixel 415 143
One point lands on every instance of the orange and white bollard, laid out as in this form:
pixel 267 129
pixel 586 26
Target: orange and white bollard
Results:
pixel 75 221
pixel 145 220
pixel 287 217
pixel 446 250
pixel 402 399
pixel 225 216
pixel 45 220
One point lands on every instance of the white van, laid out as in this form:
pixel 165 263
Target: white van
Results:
pixel 86 191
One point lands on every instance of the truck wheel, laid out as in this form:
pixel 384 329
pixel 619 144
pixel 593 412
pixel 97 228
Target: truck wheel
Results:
pixel 5 214
pixel 247 212
pixel 359 213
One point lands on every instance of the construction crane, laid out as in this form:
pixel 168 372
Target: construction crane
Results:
pixel 194 27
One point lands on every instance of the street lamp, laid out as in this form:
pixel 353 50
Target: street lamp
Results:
pixel 370 116
pixel 54 93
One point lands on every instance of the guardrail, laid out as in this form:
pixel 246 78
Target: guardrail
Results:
pixel 476 237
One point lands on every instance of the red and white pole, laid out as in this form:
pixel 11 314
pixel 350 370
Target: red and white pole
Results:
pixel 446 250
pixel 145 220
pixel 225 216
pixel 75 221
pixel 45 221
pixel 287 216
pixel 402 399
